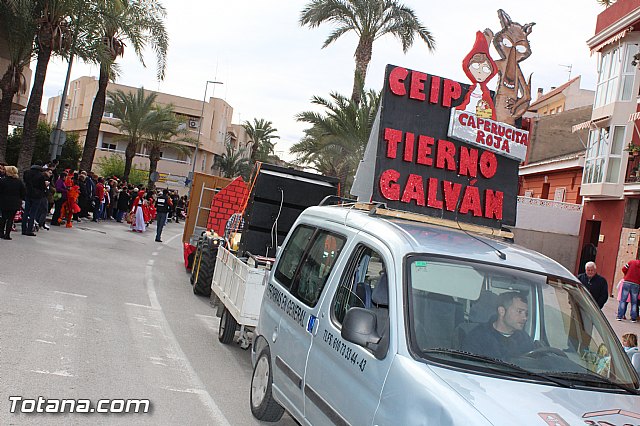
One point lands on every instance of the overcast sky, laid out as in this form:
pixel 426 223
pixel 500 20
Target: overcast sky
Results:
pixel 271 67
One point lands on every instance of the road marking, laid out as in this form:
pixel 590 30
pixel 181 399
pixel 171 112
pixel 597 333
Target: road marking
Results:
pixel 182 390
pixel 199 387
pixel 69 294
pixel 45 341
pixel 2 282
pixel 54 373
pixel 139 306
pixel 155 253
pixel 150 262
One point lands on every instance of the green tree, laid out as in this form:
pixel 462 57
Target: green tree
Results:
pixel 262 133
pixel 233 163
pixel 134 119
pixel 370 20
pixel 113 24
pixel 71 150
pixel 167 131
pixel 18 29
pixel 53 35
pixel 114 165
pixel 336 141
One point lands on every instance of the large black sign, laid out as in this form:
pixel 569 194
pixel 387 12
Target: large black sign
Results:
pixel 420 169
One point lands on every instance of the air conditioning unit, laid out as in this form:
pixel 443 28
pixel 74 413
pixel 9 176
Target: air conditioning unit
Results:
pixel 193 124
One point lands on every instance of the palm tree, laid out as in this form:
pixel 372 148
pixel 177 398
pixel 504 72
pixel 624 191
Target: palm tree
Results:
pixel 53 35
pixel 115 22
pixel 18 29
pixel 132 113
pixel 164 133
pixel 261 132
pixel 336 141
pixel 370 20
pixel 233 163
pixel 606 3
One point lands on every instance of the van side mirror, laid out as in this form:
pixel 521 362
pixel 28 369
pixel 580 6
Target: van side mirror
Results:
pixel 359 327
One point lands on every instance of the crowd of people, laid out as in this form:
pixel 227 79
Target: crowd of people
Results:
pixel 73 196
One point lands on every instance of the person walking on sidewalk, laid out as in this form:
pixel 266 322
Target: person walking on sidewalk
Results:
pixel 163 205
pixel 631 286
pixel 12 192
pixel 596 284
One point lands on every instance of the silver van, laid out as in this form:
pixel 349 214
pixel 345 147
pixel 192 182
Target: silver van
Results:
pixel 369 319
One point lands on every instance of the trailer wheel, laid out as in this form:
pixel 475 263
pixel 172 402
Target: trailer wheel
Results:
pixel 206 266
pixel 263 406
pixel 227 329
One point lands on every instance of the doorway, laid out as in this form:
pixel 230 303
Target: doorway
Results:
pixel 590 243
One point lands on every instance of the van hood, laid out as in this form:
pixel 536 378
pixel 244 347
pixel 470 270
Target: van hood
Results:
pixel 509 402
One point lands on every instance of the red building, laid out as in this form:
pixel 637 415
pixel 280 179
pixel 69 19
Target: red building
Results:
pixel 610 184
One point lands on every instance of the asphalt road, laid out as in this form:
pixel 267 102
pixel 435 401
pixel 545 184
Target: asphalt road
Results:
pixel 99 312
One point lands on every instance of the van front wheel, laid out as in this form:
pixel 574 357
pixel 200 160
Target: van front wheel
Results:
pixel 263 406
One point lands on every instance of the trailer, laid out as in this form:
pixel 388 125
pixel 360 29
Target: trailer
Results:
pixel 238 288
pixel 278 195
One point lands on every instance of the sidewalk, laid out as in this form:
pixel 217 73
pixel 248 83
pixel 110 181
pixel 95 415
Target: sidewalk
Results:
pixel 610 311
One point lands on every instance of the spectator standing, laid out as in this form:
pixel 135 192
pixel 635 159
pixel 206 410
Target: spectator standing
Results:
pixel 631 286
pixel 630 344
pixel 34 181
pixel 12 192
pixel 45 208
pixel 99 200
pixel 61 188
pixel 163 205
pixel 123 203
pixel 596 284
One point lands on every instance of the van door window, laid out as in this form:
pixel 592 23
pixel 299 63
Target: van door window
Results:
pixel 292 254
pixel 316 266
pixel 364 285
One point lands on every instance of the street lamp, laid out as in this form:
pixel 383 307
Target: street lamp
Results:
pixel 195 153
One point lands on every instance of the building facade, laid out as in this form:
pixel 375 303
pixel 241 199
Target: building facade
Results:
pixel 212 119
pixel 22 97
pixel 610 184
pixel 549 202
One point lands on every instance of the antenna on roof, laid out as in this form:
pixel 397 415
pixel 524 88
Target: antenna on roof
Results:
pixel 569 68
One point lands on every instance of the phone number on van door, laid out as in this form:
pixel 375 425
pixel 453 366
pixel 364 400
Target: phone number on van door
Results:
pixel 342 349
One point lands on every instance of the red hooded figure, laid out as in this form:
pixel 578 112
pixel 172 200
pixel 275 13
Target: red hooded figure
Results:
pixel 480 68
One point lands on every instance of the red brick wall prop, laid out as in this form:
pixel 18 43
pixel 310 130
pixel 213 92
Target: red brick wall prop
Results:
pixel 228 201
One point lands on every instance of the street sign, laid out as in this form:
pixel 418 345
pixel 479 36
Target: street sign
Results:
pixel 153 177
pixel 62 139
pixel 16 118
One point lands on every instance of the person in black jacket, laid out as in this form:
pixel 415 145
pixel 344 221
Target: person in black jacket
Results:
pixel 123 203
pixel 36 185
pixel 12 192
pixel 596 284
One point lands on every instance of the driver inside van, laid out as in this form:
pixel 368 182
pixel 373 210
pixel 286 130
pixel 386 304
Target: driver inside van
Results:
pixel 502 337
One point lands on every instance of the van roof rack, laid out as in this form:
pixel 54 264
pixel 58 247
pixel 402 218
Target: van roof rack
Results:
pixel 331 200
pixel 380 209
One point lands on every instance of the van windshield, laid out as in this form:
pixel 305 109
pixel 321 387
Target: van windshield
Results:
pixel 503 320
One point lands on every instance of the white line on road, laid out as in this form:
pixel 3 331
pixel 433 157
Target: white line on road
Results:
pixel 155 253
pixel 150 262
pixel 45 341
pixel 54 373
pixel 2 282
pixel 199 387
pixel 69 294
pixel 139 306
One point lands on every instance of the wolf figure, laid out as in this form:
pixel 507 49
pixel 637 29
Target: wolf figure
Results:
pixel 513 93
